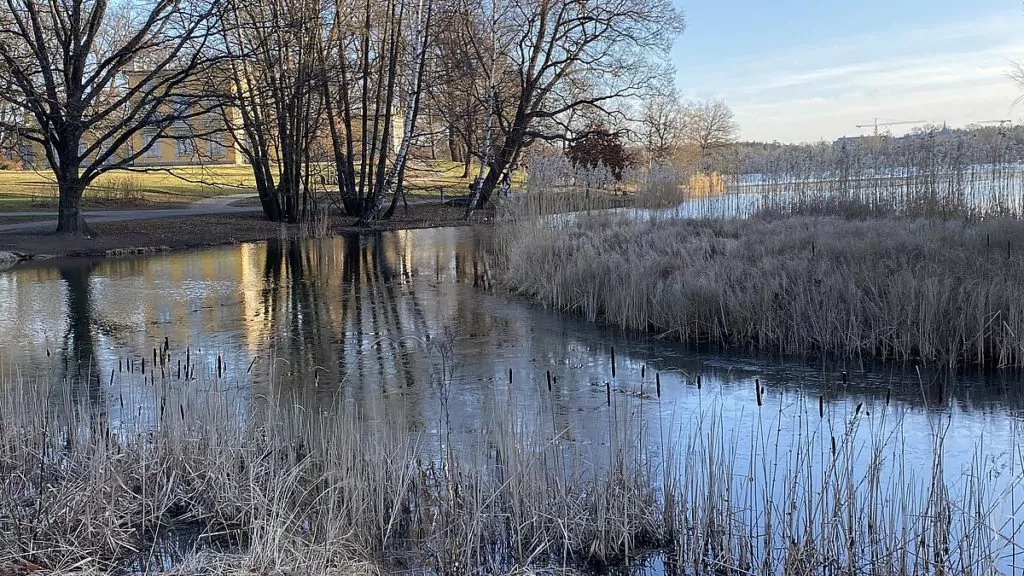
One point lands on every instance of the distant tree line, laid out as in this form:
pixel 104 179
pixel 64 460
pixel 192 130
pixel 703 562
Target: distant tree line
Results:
pixel 926 148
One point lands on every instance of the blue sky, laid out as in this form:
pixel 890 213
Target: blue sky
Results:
pixel 804 70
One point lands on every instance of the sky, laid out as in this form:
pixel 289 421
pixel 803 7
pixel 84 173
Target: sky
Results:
pixel 803 71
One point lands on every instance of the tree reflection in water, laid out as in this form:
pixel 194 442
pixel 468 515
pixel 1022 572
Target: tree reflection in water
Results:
pixel 79 345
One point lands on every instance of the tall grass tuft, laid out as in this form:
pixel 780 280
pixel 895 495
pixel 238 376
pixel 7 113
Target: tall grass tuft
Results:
pixel 315 224
pixel 660 186
pixel 929 175
pixel 945 292
pixel 175 472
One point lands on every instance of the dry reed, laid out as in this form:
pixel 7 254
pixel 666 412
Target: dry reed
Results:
pixel 931 175
pixel 885 288
pixel 173 475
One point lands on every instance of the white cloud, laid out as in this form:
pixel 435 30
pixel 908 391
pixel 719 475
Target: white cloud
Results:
pixel 955 74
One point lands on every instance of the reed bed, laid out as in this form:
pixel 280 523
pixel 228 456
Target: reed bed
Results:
pixel 172 472
pixel 934 175
pixel 931 290
pixel 168 474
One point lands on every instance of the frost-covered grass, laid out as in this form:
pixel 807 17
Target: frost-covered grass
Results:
pixel 942 291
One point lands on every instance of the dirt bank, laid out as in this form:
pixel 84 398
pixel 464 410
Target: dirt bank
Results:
pixel 142 236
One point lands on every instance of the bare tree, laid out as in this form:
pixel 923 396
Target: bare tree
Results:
pixel 10 120
pixel 372 96
pixel 273 97
pixel 711 130
pixel 663 126
pixel 90 76
pixel 9 123
pixel 456 90
pixel 546 58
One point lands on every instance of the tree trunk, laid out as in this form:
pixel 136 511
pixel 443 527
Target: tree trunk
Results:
pixel 490 182
pixel 453 145
pixel 466 147
pixel 506 156
pixel 265 187
pixel 69 212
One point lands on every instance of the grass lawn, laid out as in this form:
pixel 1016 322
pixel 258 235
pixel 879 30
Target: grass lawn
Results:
pixel 27 190
pixel 431 178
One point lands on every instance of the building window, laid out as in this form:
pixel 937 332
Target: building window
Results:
pixel 154 152
pixel 217 151
pixel 185 148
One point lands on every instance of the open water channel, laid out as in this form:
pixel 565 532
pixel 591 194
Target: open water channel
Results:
pixel 390 322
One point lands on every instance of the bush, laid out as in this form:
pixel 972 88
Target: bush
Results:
pixel 120 188
pixel 600 147
pixel 10 164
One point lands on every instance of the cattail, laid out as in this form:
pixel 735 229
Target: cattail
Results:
pixel 613 361
pixel 509 376
pixel 833 445
pixel 698 381
pixel 549 380
pixel 179 368
pixel 757 388
pixel 845 378
pixel 143 366
pixel 888 395
pixel 857 410
pixel 643 371
pixel 657 382
pixel 167 345
pixel 821 406
pixel 608 392
pixel 220 366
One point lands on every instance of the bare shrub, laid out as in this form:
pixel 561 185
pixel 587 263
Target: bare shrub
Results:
pixel 118 188
pixel 10 163
pixel 316 224
pixel 658 187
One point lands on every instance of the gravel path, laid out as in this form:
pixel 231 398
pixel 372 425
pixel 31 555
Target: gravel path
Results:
pixel 206 206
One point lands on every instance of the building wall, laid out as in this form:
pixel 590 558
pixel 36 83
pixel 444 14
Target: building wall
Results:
pixel 216 149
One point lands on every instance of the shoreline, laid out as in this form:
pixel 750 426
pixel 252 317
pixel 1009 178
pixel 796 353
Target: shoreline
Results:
pixel 137 237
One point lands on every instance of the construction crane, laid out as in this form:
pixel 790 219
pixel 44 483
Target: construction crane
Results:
pixel 876 124
pixel 1000 122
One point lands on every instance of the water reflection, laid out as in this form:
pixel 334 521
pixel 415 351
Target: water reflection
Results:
pixel 78 346
pixel 368 313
